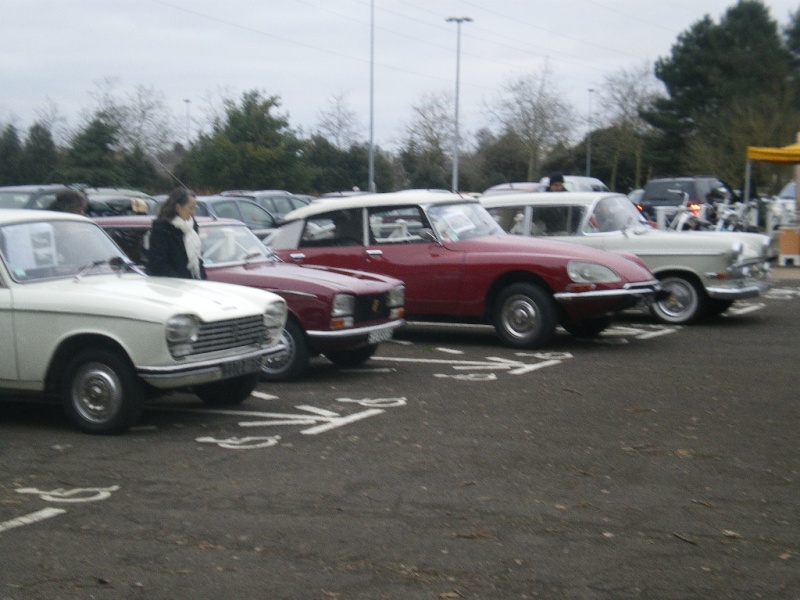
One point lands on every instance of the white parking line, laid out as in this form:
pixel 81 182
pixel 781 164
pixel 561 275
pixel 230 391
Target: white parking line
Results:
pixel 35 517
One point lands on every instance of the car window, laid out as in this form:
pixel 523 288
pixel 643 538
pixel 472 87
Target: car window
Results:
pixel 132 241
pixel 13 199
pixel 510 218
pixel 396 225
pixel 555 220
pixel 337 228
pixel 281 206
pixel 613 213
pixel 228 210
pixel 455 222
pixel 254 215
pixel 231 243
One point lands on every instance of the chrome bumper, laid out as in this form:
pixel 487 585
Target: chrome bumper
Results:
pixel 638 292
pixel 207 371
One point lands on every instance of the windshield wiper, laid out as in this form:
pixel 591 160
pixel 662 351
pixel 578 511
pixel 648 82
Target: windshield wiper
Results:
pixel 117 263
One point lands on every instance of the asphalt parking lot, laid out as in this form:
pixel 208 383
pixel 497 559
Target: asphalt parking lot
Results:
pixel 655 462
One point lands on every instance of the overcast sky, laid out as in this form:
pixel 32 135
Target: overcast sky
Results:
pixel 306 52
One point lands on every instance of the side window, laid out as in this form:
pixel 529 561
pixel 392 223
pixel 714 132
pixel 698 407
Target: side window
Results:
pixel 510 218
pixel 550 220
pixel 338 228
pixel 282 205
pixel 133 243
pixel 252 214
pixel 228 210
pixel 396 225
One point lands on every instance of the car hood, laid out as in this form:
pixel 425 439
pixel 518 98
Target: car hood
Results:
pixel 142 298
pixel 552 252
pixel 309 279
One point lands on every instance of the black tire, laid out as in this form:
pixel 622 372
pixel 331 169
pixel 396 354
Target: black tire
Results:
pixel 715 307
pixel 685 303
pixel 587 328
pixel 524 316
pixel 101 392
pixel 291 364
pixel 351 358
pixel 228 392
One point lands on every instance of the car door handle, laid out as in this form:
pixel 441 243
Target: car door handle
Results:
pixel 297 256
pixel 374 252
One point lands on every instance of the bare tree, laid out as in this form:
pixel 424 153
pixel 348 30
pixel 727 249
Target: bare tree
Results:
pixel 533 109
pixel 339 124
pixel 622 97
pixel 51 118
pixel 142 117
pixel 432 127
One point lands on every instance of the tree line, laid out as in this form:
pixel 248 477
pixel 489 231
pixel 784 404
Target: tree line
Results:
pixel 724 86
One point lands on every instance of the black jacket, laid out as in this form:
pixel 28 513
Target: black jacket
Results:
pixel 167 254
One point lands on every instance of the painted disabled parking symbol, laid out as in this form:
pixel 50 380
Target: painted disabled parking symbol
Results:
pixel 74 495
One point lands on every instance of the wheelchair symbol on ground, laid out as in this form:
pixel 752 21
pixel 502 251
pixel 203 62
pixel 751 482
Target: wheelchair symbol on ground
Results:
pixel 73 495
pixel 541 360
pixel 320 420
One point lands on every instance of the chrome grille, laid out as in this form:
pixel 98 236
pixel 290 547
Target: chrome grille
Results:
pixel 371 308
pixel 233 333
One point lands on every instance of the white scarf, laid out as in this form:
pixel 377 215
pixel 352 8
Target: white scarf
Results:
pixel 192 243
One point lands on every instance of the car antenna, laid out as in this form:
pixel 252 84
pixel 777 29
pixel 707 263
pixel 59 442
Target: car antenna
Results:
pixel 170 173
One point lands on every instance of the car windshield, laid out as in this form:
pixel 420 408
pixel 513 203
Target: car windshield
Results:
pixel 233 243
pixel 465 221
pixel 614 213
pixel 57 249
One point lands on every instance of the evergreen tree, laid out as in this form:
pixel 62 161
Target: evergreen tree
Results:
pixel 10 155
pixel 39 158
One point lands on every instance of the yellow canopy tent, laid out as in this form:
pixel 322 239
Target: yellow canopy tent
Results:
pixel 787 155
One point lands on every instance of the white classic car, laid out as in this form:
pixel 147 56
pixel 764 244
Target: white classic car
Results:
pixel 77 319
pixel 703 272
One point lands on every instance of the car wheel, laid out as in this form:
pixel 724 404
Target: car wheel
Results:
pixel 351 358
pixel 587 328
pixel 101 392
pixel 227 392
pixel 293 362
pixel 684 303
pixel 524 316
pixel 715 307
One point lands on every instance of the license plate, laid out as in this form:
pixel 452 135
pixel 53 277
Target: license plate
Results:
pixel 241 367
pixel 376 337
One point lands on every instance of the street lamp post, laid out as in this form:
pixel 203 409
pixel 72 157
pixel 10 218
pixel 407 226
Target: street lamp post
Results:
pixel 188 122
pixel 371 165
pixel 458 21
pixel 589 137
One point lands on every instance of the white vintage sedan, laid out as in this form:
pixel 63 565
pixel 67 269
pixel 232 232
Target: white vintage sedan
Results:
pixel 78 320
pixel 704 273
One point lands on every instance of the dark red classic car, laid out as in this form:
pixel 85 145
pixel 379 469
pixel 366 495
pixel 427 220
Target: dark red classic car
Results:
pixel 458 264
pixel 339 313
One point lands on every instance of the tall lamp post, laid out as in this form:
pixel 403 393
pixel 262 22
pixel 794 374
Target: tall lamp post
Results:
pixel 589 137
pixel 371 166
pixel 458 21
pixel 188 121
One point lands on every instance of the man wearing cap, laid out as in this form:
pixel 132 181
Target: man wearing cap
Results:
pixel 556 183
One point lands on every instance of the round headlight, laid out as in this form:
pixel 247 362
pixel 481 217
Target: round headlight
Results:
pixel 182 328
pixel 588 272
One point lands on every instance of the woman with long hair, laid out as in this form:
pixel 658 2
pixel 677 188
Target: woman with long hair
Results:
pixel 175 249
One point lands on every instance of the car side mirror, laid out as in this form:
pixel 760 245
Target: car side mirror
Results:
pixel 427 235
